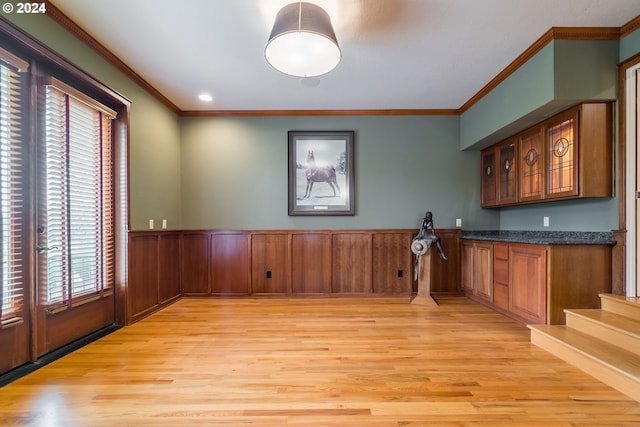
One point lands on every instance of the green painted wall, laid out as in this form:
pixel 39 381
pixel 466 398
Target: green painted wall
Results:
pixel 154 146
pixel 525 91
pixel 234 173
pixel 562 74
pixel 630 45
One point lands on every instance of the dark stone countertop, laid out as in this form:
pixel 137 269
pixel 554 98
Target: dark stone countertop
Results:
pixel 542 237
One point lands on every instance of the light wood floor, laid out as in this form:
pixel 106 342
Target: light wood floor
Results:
pixel 315 362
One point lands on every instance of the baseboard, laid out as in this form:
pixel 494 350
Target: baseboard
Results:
pixel 27 368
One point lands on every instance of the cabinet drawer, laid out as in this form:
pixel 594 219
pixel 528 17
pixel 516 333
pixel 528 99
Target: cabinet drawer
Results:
pixel 501 271
pixel 501 296
pixel 501 251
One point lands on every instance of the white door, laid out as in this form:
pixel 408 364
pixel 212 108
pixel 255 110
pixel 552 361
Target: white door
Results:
pixel 633 179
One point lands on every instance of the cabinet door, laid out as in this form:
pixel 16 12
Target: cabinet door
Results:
pixel 507 178
pixel 562 155
pixel 531 161
pixel 488 179
pixel 528 282
pixel 270 264
pixel 484 271
pixel 467 267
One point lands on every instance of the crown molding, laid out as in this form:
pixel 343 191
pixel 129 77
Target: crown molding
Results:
pixel 630 27
pixel 281 113
pixel 555 33
pixel 65 22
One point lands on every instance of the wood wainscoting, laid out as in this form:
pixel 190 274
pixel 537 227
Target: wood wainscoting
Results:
pixel 165 265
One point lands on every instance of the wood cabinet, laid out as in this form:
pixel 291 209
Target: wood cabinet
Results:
pixel 566 156
pixel 507 172
pixel 528 282
pixel 499 179
pixel 531 165
pixel 477 269
pixel 488 178
pixel 501 275
pixel 535 283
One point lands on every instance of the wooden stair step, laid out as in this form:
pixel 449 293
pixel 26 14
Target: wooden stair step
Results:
pixel 621 331
pixel 624 306
pixel 606 362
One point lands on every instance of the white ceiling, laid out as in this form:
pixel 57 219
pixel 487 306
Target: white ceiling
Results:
pixel 397 54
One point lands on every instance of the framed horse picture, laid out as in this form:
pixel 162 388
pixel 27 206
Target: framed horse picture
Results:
pixel 321 178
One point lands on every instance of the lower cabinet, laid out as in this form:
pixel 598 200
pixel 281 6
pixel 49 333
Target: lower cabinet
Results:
pixel 534 284
pixel 477 270
pixel 528 282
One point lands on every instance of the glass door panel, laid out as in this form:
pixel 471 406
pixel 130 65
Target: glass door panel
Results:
pixel 507 174
pixel 531 169
pixel 562 158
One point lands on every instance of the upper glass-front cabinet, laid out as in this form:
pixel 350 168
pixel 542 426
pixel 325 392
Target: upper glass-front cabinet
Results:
pixel 531 159
pixel 507 180
pixel 566 156
pixel 488 178
pixel 562 149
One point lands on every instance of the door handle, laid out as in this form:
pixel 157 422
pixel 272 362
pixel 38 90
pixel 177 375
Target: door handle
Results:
pixel 42 249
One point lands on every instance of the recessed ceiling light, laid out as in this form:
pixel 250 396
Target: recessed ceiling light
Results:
pixel 205 97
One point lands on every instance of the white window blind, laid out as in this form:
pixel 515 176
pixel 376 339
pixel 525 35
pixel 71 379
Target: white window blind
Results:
pixel 78 196
pixel 12 189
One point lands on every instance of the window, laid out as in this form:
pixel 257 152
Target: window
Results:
pixel 12 188
pixel 77 198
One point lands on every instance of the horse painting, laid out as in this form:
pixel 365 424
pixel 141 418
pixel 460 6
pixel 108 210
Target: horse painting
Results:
pixel 315 174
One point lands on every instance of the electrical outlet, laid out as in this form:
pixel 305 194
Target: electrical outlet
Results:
pixel 164 224
pixel 458 222
pixel 151 224
pixel 545 221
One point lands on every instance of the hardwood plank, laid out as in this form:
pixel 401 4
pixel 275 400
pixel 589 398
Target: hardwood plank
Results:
pixel 603 360
pixel 315 362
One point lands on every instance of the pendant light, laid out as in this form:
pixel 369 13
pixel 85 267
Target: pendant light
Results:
pixel 302 42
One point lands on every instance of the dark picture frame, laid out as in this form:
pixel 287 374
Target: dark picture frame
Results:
pixel 321 176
